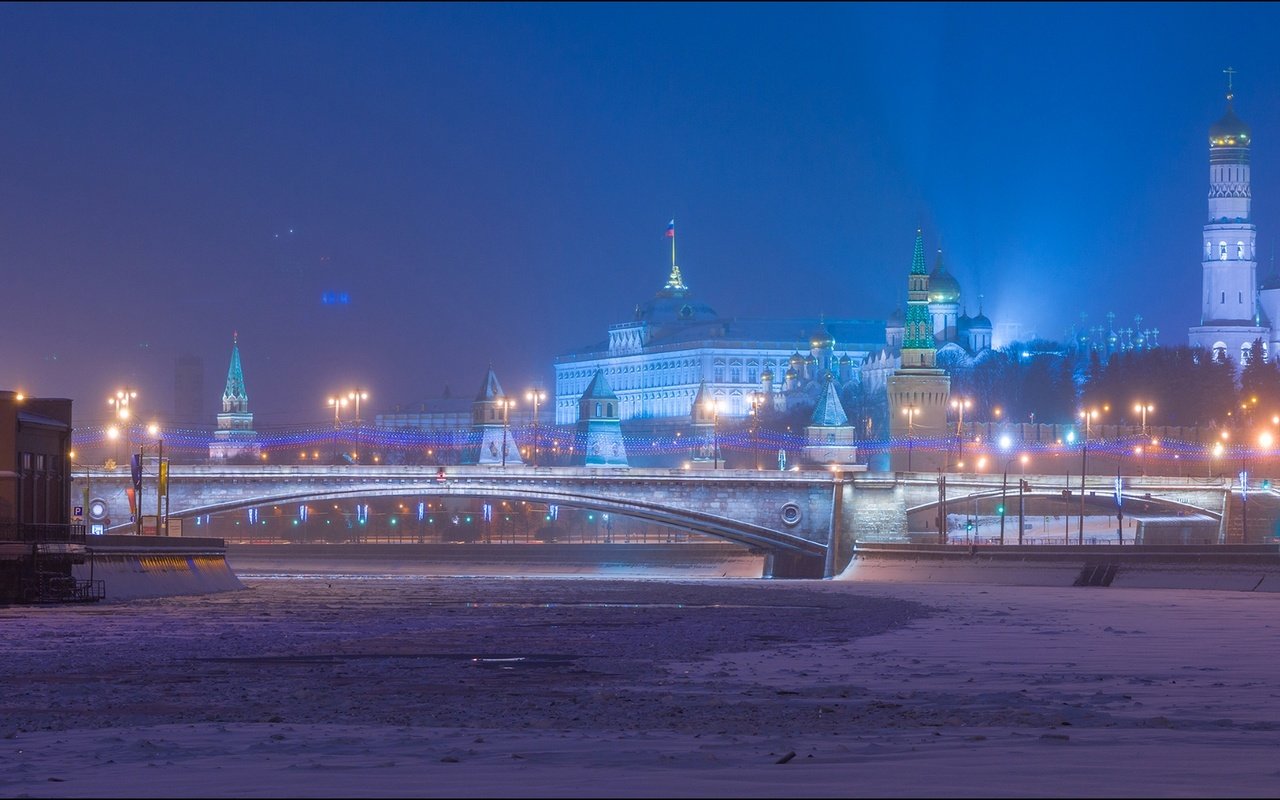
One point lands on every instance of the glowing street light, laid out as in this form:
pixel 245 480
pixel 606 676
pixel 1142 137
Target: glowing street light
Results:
pixel 1088 415
pixel 1144 409
pixel 713 406
pixel 910 411
pixel 507 405
pixel 356 395
pixel 959 404
pixel 337 404
pixel 537 397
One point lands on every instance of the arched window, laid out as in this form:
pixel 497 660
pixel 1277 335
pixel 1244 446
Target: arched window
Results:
pixel 1222 253
pixel 597 409
pixel 1245 352
pixel 1208 249
pixel 1239 249
pixel 1219 351
pixel 609 409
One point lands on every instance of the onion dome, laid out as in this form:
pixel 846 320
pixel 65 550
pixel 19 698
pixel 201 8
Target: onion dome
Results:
pixel 811 361
pixel 1230 131
pixel 943 288
pixel 822 339
pixel 980 322
pixel 796 359
pixel 792 374
pixel 767 375
pixel 844 359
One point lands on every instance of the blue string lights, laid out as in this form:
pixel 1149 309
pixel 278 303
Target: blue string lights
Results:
pixel 302 443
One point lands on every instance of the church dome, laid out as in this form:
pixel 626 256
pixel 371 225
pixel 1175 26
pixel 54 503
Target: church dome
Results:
pixel 1230 131
pixel 796 359
pixel 844 359
pixel 792 374
pixel 822 339
pixel 943 288
pixel 767 375
pixel 980 322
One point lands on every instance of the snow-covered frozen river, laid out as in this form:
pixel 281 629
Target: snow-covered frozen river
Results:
pixel 343 685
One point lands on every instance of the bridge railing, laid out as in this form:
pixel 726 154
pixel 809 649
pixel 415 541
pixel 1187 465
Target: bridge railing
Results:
pixel 41 532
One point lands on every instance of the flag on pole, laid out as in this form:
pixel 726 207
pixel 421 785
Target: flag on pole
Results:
pixel 671 229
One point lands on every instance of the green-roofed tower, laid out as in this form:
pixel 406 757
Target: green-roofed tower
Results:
pixel 918 391
pixel 235 437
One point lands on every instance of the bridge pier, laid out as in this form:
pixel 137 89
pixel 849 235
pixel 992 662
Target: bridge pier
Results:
pixel 793 565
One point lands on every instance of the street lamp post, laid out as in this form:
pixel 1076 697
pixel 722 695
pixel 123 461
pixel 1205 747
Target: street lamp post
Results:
pixel 910 411
pixel 1004 488
pixel 1022 486
pixel 356 395
pixel 507 405
pixel 120 410
pixel 757 405
pixel 714 407
pixel 535 396
pixel 960 404
pixel 162 482
pixel 336 403
pixel 1088 416
pixel 1144 408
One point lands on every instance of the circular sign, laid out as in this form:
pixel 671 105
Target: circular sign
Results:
pixel 791 514
pixel 97 509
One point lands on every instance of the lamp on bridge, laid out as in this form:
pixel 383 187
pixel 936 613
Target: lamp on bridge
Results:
pixel 910 412
pixel 356 395
pixel 1144 408
pixel 713 405
pixel 960 404
pixel 507 404
pixel 120 410
pixel 162 481
pixel 1088 415
pixel 337 404
pixel 537 397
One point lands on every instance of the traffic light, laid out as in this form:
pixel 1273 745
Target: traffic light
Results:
pixel 1266 483
pixel 968 526
pixel 1000 509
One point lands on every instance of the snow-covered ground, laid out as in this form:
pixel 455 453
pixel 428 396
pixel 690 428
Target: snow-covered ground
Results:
pixel 343 685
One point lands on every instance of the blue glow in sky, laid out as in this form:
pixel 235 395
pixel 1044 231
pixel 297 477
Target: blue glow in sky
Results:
pixel 492 183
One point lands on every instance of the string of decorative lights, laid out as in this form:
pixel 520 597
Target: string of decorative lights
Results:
pixel 567 439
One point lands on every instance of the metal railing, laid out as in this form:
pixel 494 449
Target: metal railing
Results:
pixel 41 532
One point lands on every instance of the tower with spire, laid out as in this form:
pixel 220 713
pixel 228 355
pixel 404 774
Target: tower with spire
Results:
pixel 234 437
pixel 917 390
pixel 1230 315
pixel 599 429
pixel 491 417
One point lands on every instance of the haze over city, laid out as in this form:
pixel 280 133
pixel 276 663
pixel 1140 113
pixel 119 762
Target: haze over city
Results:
pixel 396 196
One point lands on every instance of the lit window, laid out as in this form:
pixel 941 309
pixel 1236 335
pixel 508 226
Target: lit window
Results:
pixel 1222 255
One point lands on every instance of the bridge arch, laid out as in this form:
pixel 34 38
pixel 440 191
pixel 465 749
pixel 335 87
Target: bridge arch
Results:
pixel 740 532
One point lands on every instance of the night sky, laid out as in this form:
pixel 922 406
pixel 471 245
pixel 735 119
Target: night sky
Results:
pixel 492 183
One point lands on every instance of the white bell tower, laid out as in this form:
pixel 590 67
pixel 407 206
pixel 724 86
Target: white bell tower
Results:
pixel 1229 316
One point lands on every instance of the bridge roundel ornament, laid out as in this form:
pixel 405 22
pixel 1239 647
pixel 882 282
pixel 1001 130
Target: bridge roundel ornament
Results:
pixel 790 514
pixel 97 509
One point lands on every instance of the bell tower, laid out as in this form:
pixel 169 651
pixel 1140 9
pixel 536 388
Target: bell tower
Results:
pixel 1229 316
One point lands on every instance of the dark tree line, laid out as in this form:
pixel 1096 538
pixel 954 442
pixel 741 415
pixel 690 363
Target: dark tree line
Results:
pixel 1187 387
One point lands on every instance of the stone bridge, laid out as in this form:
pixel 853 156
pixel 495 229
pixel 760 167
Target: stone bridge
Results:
pixel 805 522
